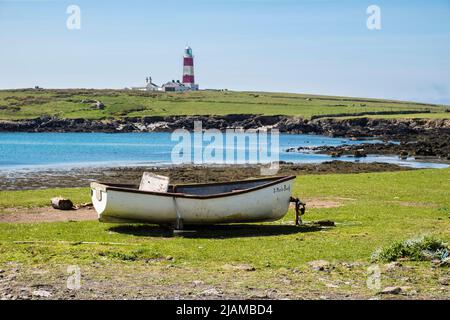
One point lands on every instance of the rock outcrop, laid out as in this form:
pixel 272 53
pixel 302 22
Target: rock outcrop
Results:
pixel 357 127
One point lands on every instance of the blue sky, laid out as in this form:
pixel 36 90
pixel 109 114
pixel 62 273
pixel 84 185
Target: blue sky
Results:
pixel 320 47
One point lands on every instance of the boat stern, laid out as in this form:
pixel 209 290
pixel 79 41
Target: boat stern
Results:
pixel 99 197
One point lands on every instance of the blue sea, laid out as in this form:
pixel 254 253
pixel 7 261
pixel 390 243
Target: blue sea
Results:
pixel 69 150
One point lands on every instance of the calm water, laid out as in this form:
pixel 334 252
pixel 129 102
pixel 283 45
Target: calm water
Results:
pixel 64 150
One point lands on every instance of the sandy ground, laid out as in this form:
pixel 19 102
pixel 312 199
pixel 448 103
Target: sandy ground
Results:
pixel 48 214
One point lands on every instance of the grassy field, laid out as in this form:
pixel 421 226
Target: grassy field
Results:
pixel 41 197
pixel 26 104
pixel 143 261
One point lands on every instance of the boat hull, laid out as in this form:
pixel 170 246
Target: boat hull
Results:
pixel 266 203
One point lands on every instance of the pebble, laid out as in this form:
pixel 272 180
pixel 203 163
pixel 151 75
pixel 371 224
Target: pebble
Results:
pixel 391 290
pixel 351 265
pixel 240 267
pixel 211 292
pixel 444 281
pixel 320 265
pixel 392 265
pixel 42 293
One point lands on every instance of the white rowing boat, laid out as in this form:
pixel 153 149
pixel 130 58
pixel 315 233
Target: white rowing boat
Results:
pixel 256 200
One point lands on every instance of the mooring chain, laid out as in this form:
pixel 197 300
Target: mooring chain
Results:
pixel 300 208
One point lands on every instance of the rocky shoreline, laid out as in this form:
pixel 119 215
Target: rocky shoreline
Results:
pixel 356 127
pixel 430 147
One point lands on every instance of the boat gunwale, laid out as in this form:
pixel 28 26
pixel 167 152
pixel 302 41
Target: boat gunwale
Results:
pixel 271 181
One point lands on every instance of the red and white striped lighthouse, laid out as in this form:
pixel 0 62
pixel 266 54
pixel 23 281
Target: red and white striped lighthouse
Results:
pixel 188 69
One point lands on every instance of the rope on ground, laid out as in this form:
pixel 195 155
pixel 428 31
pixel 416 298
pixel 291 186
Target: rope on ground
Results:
pixel 77 243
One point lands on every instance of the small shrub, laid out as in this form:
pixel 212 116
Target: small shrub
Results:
pixel 416 249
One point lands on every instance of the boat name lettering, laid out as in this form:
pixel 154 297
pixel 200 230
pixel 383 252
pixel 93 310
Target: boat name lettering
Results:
pixel 282 188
